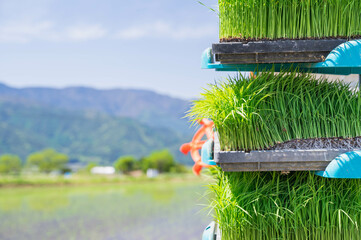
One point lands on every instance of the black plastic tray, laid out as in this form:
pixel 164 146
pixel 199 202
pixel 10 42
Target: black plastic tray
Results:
pixel 279 51
pixel 275 160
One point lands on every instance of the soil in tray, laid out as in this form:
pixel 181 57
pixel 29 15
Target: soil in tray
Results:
pixel 319 143
pixel 247 40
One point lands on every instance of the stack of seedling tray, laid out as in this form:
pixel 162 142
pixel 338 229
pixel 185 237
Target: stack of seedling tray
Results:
pixel 275 130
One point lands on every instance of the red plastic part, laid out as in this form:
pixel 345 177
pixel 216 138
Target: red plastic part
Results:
pixel 197 143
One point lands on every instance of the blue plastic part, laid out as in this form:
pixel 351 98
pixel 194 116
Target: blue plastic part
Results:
pixel 207 58
pixel 207 152
pixel 347 165
pixel 208 233
pixel 343 60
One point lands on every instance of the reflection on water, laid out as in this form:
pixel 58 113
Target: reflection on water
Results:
pixel 134 211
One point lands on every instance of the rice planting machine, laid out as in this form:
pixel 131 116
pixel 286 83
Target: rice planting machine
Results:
pixel 327 56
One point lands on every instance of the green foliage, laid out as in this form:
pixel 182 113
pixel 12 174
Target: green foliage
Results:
pixel 257 113
pixel 162 160
pixel 125 164
pixel 300 205
pixel 10 164
pixel 179 168
pixel 289 18
pixel 48 160
pixel 89 167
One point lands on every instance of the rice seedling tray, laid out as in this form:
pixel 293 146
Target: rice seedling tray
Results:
pixel 279 51
pixel 342 60
pixel 274 160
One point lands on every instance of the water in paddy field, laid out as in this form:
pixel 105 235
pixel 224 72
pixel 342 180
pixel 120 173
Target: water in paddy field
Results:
pixel 133 211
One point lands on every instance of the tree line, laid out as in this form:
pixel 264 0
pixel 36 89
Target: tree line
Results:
pixel 162 160
pixel 49 160
pixel 43 161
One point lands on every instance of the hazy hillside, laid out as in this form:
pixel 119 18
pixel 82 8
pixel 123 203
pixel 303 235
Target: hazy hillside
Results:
pixel 147 107
pixel 90 136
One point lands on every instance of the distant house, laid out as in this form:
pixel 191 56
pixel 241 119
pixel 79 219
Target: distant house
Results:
pixel 107 170
pixel 152 173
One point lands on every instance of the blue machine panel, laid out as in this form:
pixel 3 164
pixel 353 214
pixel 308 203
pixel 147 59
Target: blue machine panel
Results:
pixel 347 165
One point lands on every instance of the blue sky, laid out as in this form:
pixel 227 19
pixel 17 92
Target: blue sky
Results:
pixel 147 44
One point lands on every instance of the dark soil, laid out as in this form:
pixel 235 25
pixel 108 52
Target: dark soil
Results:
pixel 319 143
pixel 246 40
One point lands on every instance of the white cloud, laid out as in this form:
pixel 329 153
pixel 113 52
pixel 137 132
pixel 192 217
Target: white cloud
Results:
pixel 48 31
pixel 166 30
pixel 86 32
pixel 132 33
pixel 24 32
pixel 194 33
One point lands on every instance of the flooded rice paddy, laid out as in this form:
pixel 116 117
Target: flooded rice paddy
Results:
pixel 154 210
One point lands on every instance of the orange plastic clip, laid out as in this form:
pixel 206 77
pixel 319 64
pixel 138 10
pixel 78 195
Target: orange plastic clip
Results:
pixel 197 143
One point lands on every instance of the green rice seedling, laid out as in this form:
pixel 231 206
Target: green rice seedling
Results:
pixel 301 205
pixel 256 113
pixel 290 19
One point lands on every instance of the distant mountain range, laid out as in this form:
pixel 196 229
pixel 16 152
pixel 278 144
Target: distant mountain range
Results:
pixel 146 106
pixel 90 124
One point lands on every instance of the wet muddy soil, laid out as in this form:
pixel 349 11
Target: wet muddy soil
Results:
pixel 319 143
pixel 246 40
